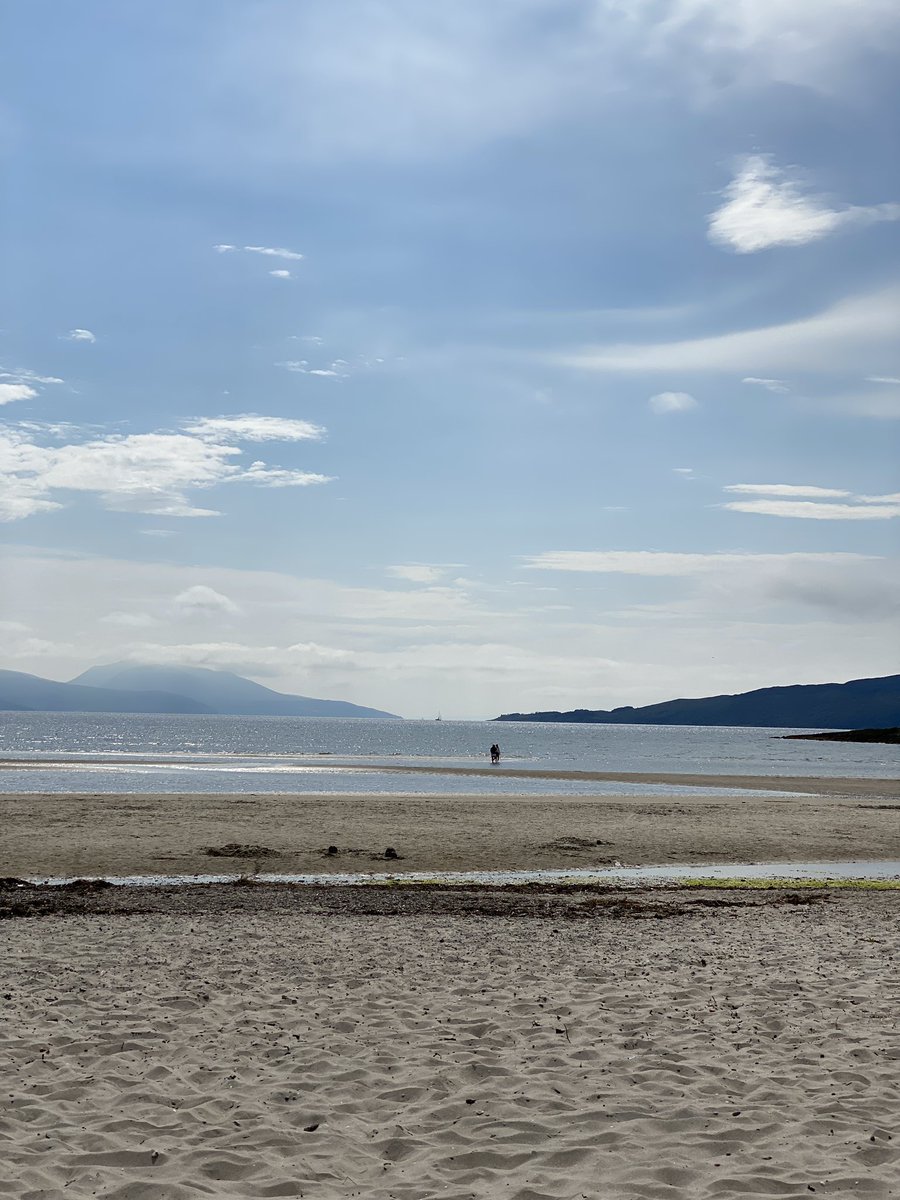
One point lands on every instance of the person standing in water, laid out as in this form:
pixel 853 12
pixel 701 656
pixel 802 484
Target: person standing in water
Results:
pixel 495 753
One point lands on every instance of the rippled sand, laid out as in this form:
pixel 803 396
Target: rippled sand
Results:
pixel 744 1049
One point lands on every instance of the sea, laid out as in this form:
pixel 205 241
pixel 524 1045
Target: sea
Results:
pixel 139 753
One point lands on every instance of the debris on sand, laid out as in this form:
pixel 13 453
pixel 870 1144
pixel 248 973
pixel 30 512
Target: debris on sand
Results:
pixel 241 850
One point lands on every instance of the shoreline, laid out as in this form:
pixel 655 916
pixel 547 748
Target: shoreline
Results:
pixel 552 901
pixel 821 784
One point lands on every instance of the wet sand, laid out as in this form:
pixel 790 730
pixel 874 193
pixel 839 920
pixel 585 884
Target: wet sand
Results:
pixel 80 834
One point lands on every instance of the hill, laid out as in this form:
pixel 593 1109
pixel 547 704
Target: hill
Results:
pixel 219 691
pixel 29 693
pixel 856 704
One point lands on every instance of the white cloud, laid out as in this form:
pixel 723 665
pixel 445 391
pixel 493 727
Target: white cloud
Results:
pixel 787 489
pixel 251 427
pixel 281 274
pixel 806 503
pixel 667 563
pixel 277 477
pixel 301 367
pixel 808 510
pixel 204 601
pixel 833 338
pixel 882 379
pixel 80 335
pixel 224 248
pixel 764 208
pixel 275 252
pixel 778 386
pixel 667 402
pixel 16 391
pixel 142 473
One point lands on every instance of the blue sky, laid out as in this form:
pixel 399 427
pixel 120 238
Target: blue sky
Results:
pixel 538 354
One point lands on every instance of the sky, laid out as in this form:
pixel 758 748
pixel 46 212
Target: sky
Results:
pixel 452 358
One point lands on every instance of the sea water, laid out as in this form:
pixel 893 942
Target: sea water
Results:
pixel 100 752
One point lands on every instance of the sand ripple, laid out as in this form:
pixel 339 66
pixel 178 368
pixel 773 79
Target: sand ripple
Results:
pixel 751 1053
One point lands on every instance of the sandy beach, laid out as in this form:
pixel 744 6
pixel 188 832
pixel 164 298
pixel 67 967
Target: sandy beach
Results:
pixel 815 819
pixel 398 1043
pixel 273 1047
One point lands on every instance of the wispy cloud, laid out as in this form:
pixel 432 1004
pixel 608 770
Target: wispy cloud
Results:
pixel 337 369
pixel 666 563
pixel 804 502
pixel 810 511
pixel 882 379
pixel 80 335
pixel 23 375
pixel 266 251
pixel 418 572
pixel 764 208
pixel 672 402
pixel 275 252
pixel 278 477
pixel 778 386
pixel 130 620
pixel 282 274
pixel 251 427
pixel 834 338
pixel 787 489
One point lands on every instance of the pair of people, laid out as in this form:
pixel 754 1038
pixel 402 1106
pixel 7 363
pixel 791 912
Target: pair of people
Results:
pixel 495 753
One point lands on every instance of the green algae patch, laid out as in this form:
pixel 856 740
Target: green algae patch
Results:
pixel 866 885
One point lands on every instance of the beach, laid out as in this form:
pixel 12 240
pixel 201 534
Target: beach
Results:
pixel 712 818
pixel 401 1042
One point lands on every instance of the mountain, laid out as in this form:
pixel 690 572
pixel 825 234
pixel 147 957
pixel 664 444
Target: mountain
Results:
pixel 219 692
pixel 861 702
pixel 29 693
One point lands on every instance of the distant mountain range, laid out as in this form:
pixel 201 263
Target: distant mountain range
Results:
pixel 126 688
pixel 861 702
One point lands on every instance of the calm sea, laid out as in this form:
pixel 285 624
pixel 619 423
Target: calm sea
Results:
pixel 90 752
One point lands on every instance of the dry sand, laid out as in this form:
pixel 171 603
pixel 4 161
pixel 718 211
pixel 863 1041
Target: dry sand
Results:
pixel 79 834
pixel 257 1045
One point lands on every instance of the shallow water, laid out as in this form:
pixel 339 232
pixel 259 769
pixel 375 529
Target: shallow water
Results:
pixel 851 869
pixel 110 753
pixel 240 777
